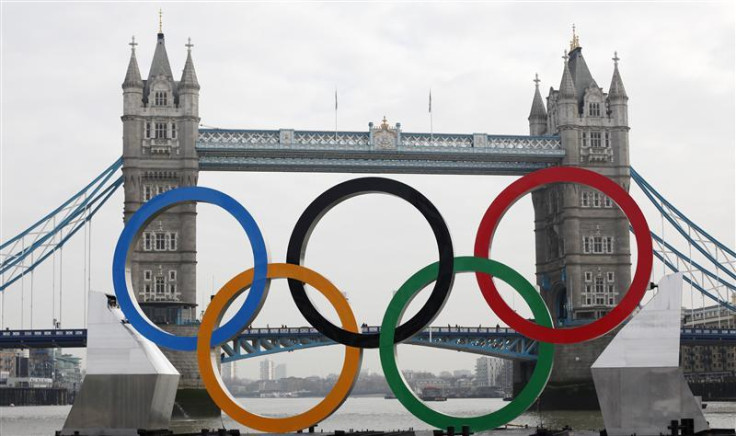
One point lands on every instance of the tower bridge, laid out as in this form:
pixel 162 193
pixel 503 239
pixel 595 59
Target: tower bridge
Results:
pixel 582 247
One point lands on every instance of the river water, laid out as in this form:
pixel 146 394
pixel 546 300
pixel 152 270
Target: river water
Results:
pixel 356 413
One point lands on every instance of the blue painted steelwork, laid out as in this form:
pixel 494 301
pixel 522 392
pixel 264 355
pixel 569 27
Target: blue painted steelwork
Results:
pixel 694 234
pixel 72 215
pixel 502 342
pixel 716 277
pixel 53 338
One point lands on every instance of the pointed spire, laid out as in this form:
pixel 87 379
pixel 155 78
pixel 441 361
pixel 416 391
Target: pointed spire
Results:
pixel 160 64
pixel 538 110
pixel 133 75
pixel 567 87
pixel 188 75
pixel 617 89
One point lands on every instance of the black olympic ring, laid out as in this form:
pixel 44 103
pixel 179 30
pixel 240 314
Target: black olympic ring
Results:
pixel 336 195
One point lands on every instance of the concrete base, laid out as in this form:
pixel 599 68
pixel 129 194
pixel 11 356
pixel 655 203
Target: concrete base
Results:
pixel 129 385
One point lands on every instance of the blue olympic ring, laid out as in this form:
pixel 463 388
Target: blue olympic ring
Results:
pixel 122 282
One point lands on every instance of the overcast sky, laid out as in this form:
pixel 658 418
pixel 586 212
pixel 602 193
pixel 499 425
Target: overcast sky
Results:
pixel 270 66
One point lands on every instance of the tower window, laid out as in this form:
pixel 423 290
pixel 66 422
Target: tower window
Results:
pixel 160 130
pixel 608 139
pixel 172 289
pixel 609 244
pixel 160 241
pixel 160 286
pixel 147 241
pixel 594 109
pixel 172 275
pixel 599 285
pixel 595 139
pixel 596 199
pixel 148 130
pixel 610 276
pixel 173 131
pixel 172 241
pixel 160 98
pixel 597 244
pixel 607 202
pixel 147 274
pixel 588 276
pixel 147 288
pixel 584 199
pixel 586 245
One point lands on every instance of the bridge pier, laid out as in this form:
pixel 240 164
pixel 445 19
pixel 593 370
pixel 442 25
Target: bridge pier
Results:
pixel 570 385
pixel 192 399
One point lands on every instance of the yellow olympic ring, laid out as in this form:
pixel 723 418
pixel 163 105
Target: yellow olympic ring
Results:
pixel 207 359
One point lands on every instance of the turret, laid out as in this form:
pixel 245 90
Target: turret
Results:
pixel 618 105
pixel 538 114
pixel 567 100
pixel 189 85
pixel 132 85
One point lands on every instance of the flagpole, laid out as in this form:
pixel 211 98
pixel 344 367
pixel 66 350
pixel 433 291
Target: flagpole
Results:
pixel 431 121
pixel 335 114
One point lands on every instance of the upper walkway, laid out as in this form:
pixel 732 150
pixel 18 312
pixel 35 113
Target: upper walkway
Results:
pixel 379 150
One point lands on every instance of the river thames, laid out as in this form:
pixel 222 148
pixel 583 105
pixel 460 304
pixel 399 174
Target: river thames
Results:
pixel 356 413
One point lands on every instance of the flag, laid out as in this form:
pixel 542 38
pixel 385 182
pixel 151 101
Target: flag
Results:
pixel 335 99
pixel 430 101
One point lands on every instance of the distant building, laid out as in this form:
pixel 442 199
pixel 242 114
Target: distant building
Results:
pixel 462 373
pixel 7 361
pixel 715 316
pixel 228 371
pixel 487 371
pixel 280 371
pixel 67 371
pixel 267 370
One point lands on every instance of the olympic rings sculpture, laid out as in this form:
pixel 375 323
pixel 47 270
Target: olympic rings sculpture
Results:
pixel 255 280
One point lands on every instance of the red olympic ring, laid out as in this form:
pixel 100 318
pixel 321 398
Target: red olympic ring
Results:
pixel 639 283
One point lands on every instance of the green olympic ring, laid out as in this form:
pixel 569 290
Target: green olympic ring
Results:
pixel 396 381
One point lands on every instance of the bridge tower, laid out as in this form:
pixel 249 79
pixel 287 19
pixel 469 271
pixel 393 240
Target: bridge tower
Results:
pixel 582 238
pixel 160 127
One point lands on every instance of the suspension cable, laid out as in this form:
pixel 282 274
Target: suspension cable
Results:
pixel 53 283
pixel 84 260
pixel 32 272
pixel 22 287
pixel 61 283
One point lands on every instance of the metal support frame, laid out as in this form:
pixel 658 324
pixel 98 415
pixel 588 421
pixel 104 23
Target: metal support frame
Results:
pixel 39 241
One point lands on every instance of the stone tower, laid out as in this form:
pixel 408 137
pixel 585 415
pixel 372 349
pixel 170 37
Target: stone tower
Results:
pixel 160 127
pixel 582 238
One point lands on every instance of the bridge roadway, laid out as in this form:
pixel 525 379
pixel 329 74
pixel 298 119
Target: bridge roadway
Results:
pixel 254 342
